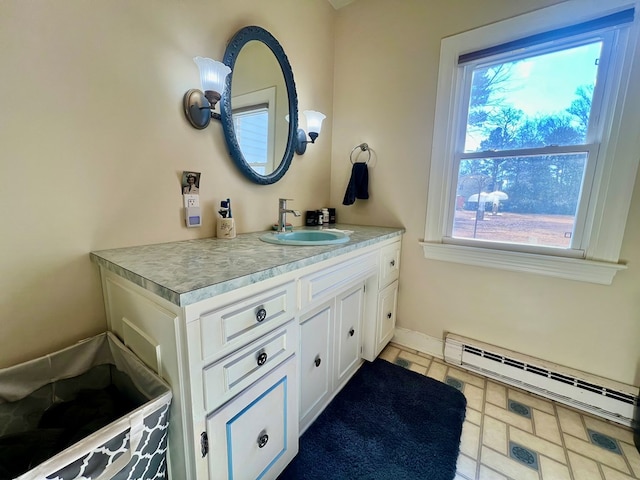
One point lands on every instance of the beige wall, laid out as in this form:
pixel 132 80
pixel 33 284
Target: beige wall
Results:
pixel 93 141
pixel 387 55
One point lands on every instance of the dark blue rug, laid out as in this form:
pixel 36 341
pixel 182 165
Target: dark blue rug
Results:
pixel 387 423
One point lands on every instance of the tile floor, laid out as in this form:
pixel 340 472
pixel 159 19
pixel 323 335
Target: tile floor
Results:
pixel 512 435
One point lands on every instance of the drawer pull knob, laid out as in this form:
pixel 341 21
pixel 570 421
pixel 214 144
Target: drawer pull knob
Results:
pixel 261 314
pixel 389 315
pixel 262 359
pixel 352 332
pixel 263 438
pixel 317 361
pixel 393 263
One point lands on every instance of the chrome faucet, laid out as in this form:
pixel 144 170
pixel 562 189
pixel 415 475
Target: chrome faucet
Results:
pixel 282 214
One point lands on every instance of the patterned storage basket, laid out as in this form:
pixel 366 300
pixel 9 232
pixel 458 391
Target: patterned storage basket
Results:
pixel 132 447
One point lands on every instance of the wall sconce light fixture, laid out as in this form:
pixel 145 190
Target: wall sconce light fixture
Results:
pixel 199 104
pixel 314 125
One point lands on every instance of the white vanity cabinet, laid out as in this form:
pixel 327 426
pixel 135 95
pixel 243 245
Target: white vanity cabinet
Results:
pixel 252 364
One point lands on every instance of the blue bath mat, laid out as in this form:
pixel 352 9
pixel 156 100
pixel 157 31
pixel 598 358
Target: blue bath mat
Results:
pixel 387 423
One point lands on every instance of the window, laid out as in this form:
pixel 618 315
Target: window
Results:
pixel 252 131
pixel 529 140
pixel 254 117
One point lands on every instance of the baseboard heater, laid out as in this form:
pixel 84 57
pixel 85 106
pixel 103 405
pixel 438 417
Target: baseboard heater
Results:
pixel 596 395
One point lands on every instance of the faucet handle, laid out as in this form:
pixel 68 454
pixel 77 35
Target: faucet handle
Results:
pixel 283 202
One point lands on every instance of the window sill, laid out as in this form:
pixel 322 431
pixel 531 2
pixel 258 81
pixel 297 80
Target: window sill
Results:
pixel 560 267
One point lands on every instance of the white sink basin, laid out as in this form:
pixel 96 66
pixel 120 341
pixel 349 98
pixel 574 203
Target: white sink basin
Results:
pixel 305 237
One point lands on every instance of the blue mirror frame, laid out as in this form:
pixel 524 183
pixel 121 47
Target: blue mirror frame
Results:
pixel 242 37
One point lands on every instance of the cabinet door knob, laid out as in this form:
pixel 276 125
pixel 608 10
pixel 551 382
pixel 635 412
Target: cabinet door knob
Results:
pixel 263 438
pixel 317 361
pixel 352 332
pixel 261 314
pixel 389 315
pixel 262 359
pixel 393 263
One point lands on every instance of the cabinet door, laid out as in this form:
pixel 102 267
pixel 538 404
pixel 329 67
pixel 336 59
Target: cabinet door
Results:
pixel 386 324
pixel 349 312
pixel 256 434
pixel 315 362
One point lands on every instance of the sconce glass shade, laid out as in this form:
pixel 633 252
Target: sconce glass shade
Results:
pixel 314 125
pixel 314 121
pixel 199 105
pixel 213 74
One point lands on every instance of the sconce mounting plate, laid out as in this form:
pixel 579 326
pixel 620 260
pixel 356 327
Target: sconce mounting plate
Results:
pixel 197 108
pixel 301 142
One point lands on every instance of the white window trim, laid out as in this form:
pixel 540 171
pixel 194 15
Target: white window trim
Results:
pixel 616 178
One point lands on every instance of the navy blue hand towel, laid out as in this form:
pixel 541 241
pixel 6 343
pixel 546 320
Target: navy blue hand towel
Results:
pixel 358 184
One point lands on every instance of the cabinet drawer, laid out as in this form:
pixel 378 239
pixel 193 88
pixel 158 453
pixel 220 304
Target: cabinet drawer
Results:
pixel 245 320
pixel 256 435
pixel 389 264
pixel 332 280
pixel 229 376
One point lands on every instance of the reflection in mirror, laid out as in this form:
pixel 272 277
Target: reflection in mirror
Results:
pixel 259 105
pixel 253 118
pixel 261 93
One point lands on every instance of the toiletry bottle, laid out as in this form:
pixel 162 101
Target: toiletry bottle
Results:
pixel 325 216
pixel 311 218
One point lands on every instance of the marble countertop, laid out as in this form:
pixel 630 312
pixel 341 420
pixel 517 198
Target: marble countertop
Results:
pixel 188 271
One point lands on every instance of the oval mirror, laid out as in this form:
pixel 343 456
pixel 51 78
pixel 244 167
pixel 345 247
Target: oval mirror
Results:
pixel 259 98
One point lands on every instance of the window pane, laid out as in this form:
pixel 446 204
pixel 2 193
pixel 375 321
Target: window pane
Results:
pixel 252 129
pixel 526 200
pixel 533 102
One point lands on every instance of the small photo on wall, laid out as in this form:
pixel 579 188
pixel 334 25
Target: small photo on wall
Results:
pixel 191 183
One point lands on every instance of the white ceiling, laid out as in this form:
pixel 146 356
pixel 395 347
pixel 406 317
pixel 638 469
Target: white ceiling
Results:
pixel 340 3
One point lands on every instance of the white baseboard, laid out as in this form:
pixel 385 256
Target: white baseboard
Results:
pixel 419 341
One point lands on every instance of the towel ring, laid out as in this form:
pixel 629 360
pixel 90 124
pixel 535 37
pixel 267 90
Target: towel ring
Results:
pixel 364 148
